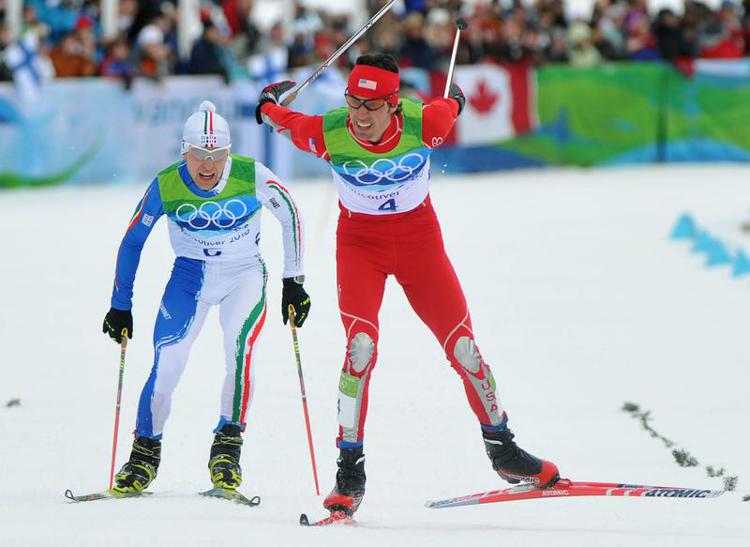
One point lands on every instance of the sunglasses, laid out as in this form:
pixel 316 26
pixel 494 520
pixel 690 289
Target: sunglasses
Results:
pixel 370 104
pixel 213 154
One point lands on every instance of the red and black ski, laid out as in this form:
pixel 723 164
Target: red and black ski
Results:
pixel 566 488
pixel 336 517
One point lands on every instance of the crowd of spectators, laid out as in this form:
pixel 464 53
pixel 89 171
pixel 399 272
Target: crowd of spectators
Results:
pixel 419 33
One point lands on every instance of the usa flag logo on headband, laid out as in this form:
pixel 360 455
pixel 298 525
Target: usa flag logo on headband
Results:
pixel 367 84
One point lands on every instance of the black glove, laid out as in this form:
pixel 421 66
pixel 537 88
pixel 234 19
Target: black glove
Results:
pixel 272 94
pixel 454 92
pixel 115 321
pixel 295 295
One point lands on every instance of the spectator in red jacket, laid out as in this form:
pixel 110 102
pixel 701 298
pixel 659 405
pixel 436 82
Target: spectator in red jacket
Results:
pixel 69 60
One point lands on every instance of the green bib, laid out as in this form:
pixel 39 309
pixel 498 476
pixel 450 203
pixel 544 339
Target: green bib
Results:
pixel 215 214
pixel 341 144
pixel 371 171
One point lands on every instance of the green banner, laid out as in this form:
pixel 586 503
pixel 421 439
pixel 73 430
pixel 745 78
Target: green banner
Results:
pixel 636 113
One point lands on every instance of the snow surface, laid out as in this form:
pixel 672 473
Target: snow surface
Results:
pixel 580 302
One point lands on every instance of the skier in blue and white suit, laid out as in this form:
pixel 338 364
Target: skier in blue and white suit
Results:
pixel 212 201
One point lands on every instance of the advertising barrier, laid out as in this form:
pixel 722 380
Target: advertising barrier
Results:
pixel 93 131
pixel 637 113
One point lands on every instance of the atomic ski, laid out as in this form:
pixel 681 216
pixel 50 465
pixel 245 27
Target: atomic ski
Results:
pixel 105 495
pixel 231 495
pixel 336 517
pixel 565 488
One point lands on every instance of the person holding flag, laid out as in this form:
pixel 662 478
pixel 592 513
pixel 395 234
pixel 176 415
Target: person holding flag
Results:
pixel 378 148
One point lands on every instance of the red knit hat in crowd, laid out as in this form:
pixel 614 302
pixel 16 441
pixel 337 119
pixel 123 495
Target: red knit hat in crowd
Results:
pixel 370 82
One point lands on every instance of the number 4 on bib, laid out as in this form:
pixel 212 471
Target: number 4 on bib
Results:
pixel 389 205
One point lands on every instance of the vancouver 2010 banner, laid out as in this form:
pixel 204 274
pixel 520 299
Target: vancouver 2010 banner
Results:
pixel 95 131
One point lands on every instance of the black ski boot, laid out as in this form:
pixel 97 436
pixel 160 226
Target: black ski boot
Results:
pixel 224 461
pixel 349 490
pixel 140 470
pixel 514 464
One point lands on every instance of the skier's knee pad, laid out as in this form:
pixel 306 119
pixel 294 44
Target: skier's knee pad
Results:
pixel 466 353
pixel 361 350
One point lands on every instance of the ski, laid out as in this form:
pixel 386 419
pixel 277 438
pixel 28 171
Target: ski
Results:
pixel 565 488
pixel 104 495
pixel 336 517
pixel 232 495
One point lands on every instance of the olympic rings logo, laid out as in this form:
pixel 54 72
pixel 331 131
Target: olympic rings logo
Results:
pixel 384 169
pixel 211 213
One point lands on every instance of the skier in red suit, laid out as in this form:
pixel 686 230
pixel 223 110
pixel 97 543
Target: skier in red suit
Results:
pixel 378 148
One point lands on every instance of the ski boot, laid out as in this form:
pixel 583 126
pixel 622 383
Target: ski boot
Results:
pixel 140 470
pixel 516 465
pixel 224 461
pixel 349 490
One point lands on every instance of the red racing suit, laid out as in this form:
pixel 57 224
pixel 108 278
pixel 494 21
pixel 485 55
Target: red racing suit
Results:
pixel 387 226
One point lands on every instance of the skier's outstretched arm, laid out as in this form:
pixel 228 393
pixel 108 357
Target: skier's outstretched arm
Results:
pixel 439 115
pixel 305 132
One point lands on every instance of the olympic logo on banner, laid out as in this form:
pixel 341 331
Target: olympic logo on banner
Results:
pixel 212 213
pixel 383 169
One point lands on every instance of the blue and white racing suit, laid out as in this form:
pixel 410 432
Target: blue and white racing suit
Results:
pixel 215 235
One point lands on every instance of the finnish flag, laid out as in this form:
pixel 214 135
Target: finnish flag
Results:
pixel 267 68
pixel 23 61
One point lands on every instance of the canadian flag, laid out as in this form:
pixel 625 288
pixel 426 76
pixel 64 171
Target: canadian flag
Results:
pixel 500 103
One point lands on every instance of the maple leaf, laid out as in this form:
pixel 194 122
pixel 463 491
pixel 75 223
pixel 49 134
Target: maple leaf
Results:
pixel 483 99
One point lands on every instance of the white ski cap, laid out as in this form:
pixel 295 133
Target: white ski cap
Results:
pixel 206 129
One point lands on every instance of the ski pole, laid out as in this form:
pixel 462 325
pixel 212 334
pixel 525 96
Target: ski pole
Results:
pixel 336 54
pixel 123 347
pixel 304 396
pixel 460 25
